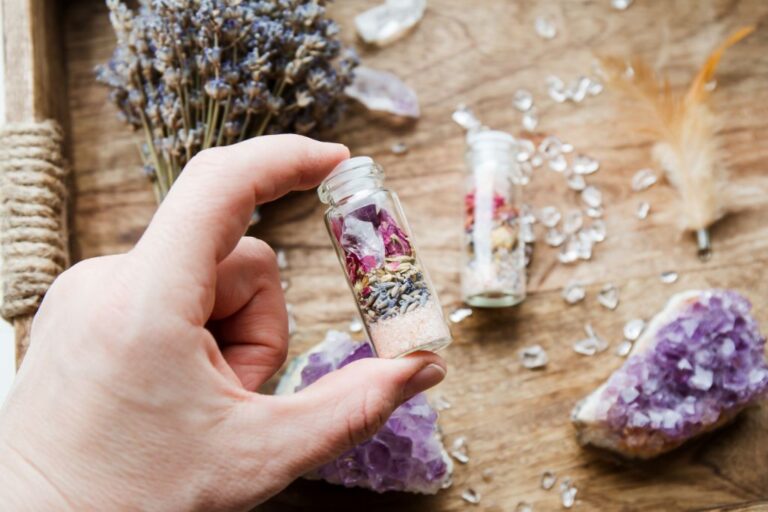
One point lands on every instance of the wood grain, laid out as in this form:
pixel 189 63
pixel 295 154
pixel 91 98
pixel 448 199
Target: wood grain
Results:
pixel 516 421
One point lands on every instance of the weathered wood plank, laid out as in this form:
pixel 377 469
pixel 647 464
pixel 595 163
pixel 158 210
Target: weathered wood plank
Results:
pixel 516 421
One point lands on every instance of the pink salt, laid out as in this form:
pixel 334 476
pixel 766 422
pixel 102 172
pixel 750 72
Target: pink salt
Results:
pixel 423 328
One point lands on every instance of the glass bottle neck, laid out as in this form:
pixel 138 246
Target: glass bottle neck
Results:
pixel 353 178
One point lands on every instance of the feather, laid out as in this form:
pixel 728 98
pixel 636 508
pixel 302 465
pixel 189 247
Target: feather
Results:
pixel 683 127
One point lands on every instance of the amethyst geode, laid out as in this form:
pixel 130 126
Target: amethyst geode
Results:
pixel 405 455
pixel 699 363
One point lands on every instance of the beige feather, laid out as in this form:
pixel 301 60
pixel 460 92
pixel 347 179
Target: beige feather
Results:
pixel 683 126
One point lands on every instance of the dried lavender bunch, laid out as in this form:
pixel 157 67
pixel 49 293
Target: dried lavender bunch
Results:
pixel 193 74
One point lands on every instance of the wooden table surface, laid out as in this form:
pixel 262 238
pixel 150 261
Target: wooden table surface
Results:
pixel 516 421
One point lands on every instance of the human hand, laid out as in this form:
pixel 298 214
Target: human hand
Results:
pixel 138 390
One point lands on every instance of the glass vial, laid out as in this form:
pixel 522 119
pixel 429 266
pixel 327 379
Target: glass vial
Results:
pixel 395 297
pixel 493 270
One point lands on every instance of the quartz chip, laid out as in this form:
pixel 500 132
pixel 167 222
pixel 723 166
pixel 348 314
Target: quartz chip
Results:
pixel 382 91
pixel 643 209
pixel 533 357
pixel 464 117
pixel 592 196
pixel 572 222
pixel 574 293
pixel 568 496
pixel 643 179
pixel 576 182
pixel 634 328
pixel 399 148
pixel 583 164
pixel 621 5
pixel 549 216
pixel 530 120
pixel 548 480
pixel 441 403
pixel 609 296
pixel 597 231
pixel 558 163
pixel 545 27
pixel 282 259
pixel 356 325
pixel 459 450
pixel 669 277
pixel 569 252
pixel 554 237
pixel 390 21
pixel 624 348
pixel 523 100
pixel 523 506
pixel 594 213
pixel 460 315
pixel 471 496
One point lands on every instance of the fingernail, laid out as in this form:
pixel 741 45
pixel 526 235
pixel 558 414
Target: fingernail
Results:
pixel 425 378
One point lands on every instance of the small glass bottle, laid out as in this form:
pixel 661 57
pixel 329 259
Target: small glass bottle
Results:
pixel 493 272
pixel 395 297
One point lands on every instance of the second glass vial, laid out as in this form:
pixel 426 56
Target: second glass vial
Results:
pixel 493 270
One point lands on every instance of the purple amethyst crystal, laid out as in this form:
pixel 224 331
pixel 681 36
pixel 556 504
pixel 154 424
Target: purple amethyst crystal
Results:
pixel 699 363
pixel 405 455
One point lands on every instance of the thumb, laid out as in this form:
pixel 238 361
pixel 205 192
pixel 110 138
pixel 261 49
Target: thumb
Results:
pixel 349 405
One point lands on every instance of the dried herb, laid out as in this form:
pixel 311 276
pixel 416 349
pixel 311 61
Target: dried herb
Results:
pixel 192 74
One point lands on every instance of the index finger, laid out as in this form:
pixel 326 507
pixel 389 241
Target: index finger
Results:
pixel 210 205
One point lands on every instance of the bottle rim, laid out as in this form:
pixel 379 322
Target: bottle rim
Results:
pixel 345 172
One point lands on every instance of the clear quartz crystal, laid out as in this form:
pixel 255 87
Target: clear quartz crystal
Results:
pixel 583 164
pixel 523 100
pixel 548 480
pixel 549 216
pixel 523 506
pixel 382 91
pixel 558 163
pixel 577 182
pixel 554 238
pixel 592 196
pixel 634 328
pixel 596 231
pixel 464 117
pixel 569 252
pixel 594 213
pixel 471 496
pixel 572 222
pixel 460 315
pixel 621 5
pixel 459 450
pixel 624 348
pixel 356 325
pixel 533 357
pixel 545 27
pixel 441 403
pixel 609 296
pixel 643 179
pixel 390 21
pixel 568 497
pixel 574 293
pixel 643 209
pixel 669 277
pixel 399 148
pixel 282 259
pixel 530 120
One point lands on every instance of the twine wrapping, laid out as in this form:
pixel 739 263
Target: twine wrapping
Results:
pixel 32 203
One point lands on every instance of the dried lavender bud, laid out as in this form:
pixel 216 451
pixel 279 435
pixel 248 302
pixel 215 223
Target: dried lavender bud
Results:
pixel 197 74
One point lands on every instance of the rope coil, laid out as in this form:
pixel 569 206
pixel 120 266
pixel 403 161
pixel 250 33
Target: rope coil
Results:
pixel 32 201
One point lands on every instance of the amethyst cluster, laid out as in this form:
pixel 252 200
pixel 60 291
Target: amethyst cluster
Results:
pixel 700 362
pixel 405 455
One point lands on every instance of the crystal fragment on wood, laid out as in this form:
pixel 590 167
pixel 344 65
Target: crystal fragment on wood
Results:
pixel 382 91
pixel 390 21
